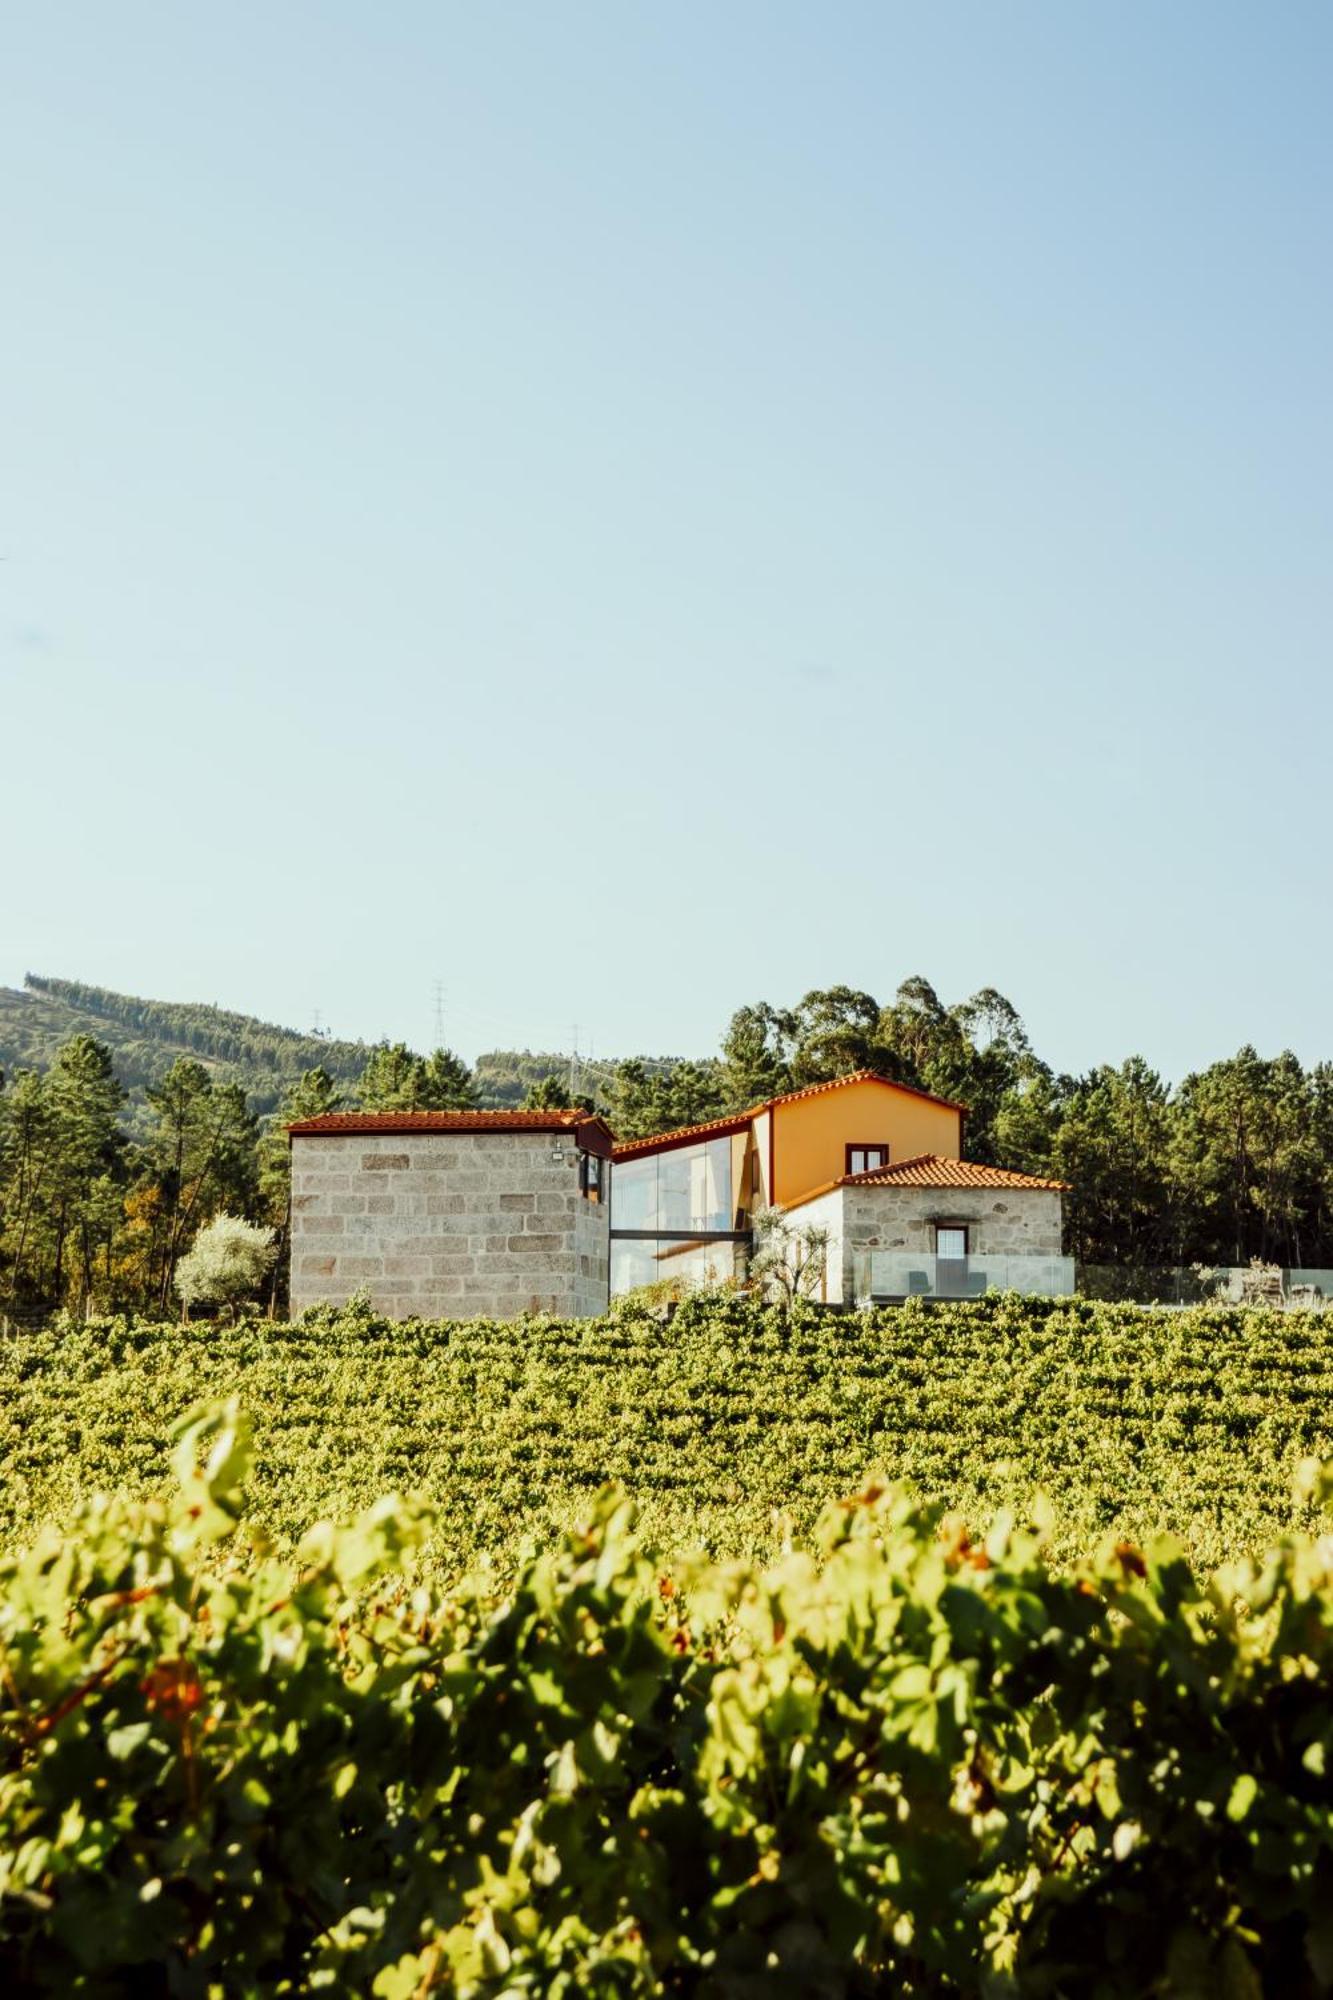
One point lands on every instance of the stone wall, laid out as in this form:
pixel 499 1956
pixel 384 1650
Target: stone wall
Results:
pixel 592 1248
pixel 1001 1222
pixel 446 1225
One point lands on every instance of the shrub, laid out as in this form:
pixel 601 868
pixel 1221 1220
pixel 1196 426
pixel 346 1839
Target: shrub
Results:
pixel 909 1762
pixel 227 1262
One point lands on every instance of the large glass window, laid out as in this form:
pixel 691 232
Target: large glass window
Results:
pixel 686 1188
pixel 647 1260
pixel 634 1194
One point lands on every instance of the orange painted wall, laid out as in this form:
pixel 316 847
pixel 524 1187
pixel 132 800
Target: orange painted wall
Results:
pixel 812 1135
pixel 762 1193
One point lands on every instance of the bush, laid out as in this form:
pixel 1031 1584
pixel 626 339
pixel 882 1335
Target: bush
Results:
pixel 908 1763
pixel 228 1261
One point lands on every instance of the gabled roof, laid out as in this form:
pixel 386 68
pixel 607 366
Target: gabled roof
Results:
pixel 592 1133
pixel 859 1076
pixel 929 1170
pixel 683 1135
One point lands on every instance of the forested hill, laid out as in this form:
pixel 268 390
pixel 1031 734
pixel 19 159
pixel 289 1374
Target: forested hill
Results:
pixel 146 1036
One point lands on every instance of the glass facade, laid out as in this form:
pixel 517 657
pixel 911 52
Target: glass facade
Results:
pixel 660 1207
pixel 646 1260
pixel 677 1192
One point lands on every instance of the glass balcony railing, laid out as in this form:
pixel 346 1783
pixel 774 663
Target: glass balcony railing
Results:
pixel 895 1274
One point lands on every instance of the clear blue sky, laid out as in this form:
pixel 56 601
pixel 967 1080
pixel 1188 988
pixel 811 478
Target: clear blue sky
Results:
pixel 629 510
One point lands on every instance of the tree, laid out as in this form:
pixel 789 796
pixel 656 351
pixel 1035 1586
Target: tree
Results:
pixel 756 1056
pixel 1247 1159
pixel 923 1035
pixel 28 1135
pixel 201 1154
pixel 391 1079
pixel 836 1031
pixel 550 1094
pixel 446 1083
pixel 644 1101
pixel 61 1166
pixel 975 1053
pixel 1026 1131
pixel 789 1261
pixel 227 1262
pixel 394 1079
pixel 1113 1145
pixel 690 1093
pixel 88 1156
pixel 312 1097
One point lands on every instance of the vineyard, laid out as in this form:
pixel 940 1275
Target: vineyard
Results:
pixel 916 1761
pixel 732 1426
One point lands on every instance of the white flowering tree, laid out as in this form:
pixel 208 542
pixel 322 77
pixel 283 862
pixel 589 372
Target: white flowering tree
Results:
pixel 227 1263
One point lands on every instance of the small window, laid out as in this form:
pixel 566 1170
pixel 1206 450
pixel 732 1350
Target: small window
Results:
pixel 951 1242
pixel 590 1176
pixel 863 1159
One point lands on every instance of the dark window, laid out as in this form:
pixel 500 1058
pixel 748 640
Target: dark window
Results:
pixel 865 1159
pixel 590 1176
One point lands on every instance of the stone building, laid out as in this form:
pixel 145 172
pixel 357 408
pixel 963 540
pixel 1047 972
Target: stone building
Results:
pixel 452 1214
pixel 939 1228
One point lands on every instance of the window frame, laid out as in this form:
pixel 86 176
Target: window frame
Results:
pixel 958 1229
pixel 865 1146
pixel 592 1176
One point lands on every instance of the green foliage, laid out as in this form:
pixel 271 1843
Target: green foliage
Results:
pixel 643 1098
pixel 146 1036
pixel 731 1423
pixel 756 1056
pixel 201 1157
pixel 227 1262
pixel 396 1080
pixel 505 1077
pixel 790 1260
pixel 61 1157
pixel 552 1094
pixel 912 1760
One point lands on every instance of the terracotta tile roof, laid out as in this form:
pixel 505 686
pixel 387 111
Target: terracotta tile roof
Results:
pixel 683 1134
pixel 332 1123
pixel 860 1076
pixel 928 1170
pixel 659 1142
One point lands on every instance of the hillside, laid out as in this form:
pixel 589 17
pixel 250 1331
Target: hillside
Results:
pixel 146 1036
pixel 504 1076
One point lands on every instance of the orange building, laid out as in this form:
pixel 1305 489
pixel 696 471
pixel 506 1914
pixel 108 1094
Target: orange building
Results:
pixel 682 1202
pixel 876 1165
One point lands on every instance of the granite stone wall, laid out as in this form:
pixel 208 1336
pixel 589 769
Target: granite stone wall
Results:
pixel 446 1225
pixel 1001 1222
